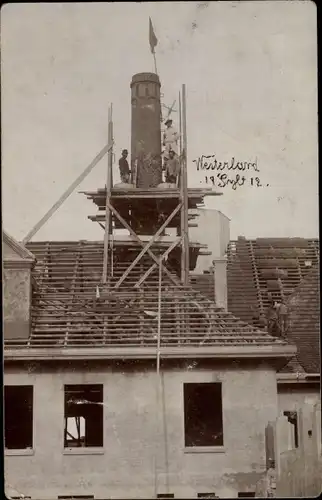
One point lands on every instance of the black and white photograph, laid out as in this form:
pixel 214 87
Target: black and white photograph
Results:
pixel 160 250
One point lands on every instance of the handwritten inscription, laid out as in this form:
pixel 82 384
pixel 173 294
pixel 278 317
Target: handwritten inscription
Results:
pixel 233 174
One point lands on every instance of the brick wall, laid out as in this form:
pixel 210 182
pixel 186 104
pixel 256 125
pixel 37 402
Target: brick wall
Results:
pixel 132 434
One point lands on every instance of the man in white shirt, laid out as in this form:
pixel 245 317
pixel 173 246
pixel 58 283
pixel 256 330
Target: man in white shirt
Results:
pixel 170 139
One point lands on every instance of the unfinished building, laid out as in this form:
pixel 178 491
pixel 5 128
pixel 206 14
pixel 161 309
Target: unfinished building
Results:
pixel 122 380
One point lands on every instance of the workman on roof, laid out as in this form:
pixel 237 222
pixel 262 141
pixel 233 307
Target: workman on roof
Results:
pixel 170 139
pixel 283 316
pixel 272 319
pixel 124 167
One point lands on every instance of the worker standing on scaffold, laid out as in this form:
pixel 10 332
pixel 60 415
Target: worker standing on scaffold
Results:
pixel 124 167
pixel 170 139
pixel 172 168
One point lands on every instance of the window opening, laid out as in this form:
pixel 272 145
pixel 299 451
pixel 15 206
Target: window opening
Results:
pixel 207 495
pixel 292 419
pixel 72 497
pixel 20 498
pixel 203 419
pixel 18 416
pixel 83 416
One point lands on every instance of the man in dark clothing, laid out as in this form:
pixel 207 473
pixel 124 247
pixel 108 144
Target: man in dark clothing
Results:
pixel 172 168
pixel 124 167
pixel 272 320
pixel 283 316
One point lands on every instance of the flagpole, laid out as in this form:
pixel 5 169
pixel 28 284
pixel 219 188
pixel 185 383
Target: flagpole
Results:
pixel 155 63
pixel 153 42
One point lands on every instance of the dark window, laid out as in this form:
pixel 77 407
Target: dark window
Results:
pixel 292 418
pixel 165 495
pixel 72 497
pixel 83 416
pixel 18 416
pixel 203 415
pixel 246 494
pixel 207 495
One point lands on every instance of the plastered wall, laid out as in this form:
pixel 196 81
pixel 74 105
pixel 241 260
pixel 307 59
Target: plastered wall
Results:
pixel 135 434
pixel 16 304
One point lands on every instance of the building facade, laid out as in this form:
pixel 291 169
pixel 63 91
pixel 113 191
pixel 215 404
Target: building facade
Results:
pixel 91 419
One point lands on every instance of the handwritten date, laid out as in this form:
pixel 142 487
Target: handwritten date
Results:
pixel 223 180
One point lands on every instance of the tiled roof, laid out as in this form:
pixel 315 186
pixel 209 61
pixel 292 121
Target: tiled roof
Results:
pixel 66 312
pixel 304 321
pixel 281 268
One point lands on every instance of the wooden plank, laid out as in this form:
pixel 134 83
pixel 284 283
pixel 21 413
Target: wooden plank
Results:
pixel 67 193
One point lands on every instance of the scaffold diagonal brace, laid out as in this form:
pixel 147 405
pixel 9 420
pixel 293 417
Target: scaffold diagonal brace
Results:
pixel 151 254
pixel 154 266
pixel 148 245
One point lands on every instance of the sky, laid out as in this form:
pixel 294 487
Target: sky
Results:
pixel 250 70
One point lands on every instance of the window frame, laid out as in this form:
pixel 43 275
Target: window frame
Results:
pixel 213 448
pixel 83 450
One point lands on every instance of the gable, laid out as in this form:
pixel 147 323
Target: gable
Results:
pixel 9 253
pixel 12 251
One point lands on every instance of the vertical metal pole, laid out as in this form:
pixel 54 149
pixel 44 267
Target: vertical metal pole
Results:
pixel 159 317
pixel 108 194
pixel 180 126
pixel 184 196
pixel 158 409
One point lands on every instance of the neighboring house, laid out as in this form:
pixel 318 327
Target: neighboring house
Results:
pixel 286 268
pixel 212 228
pixel 87 411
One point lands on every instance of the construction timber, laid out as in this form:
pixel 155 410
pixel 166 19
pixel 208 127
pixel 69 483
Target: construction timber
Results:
pixel 128 295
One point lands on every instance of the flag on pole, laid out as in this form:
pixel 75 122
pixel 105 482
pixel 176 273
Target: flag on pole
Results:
pixel 152 38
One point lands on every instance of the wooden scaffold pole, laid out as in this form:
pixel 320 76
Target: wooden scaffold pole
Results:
pixel 184 195
pixel 108 194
